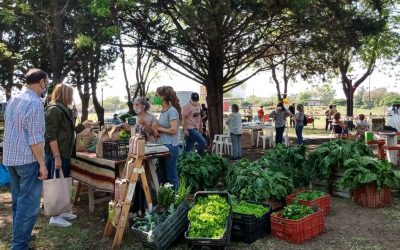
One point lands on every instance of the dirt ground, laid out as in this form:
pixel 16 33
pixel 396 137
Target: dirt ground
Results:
pixel 347 226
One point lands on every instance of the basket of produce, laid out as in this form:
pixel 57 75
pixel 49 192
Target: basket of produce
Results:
pixel 318 199
pixel 297 223
pixel 210 220
pixel 160 228
pixel 251 221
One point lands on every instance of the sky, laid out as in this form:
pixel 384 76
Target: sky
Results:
pixel 260 85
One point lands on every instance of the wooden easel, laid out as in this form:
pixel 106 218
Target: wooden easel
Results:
pixel 137 170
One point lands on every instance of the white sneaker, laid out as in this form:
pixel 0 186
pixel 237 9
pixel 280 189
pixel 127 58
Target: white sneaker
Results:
pixel 59 221
pixel 68 216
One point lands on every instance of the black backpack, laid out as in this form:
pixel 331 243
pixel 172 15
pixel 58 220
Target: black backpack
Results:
pixel 305 120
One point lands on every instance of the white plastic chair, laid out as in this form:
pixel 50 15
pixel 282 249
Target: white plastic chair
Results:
pixel 286 136
pixel 217 146
pixel 228 146
pixel 265 134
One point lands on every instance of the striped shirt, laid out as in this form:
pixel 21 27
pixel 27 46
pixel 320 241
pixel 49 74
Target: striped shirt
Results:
pixel 24 126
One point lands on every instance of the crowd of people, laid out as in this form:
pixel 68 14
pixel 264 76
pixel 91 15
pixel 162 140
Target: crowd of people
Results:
pixel 39 139
pixel 39 142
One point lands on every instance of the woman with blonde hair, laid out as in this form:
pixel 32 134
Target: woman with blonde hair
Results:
pixel 59 140
pixel 168 129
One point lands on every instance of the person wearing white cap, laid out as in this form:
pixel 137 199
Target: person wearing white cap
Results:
pixel 191 119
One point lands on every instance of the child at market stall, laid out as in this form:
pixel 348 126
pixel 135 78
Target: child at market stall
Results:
pixel 338 126
pixel 361 126
pixel 234 122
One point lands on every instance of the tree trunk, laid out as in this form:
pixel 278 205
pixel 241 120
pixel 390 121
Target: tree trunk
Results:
pixel 278 88
pixel 99 109
pixel 56 41
pixel 215 87
pixel 85 98
pixel 8 89
pixel 349 93
pixel 215 109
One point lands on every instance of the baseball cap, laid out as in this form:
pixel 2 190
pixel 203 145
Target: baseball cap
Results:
pixel 195 97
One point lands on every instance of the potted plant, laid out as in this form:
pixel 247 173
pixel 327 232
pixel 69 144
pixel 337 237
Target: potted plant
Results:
pixel 297 223
pixel 370 180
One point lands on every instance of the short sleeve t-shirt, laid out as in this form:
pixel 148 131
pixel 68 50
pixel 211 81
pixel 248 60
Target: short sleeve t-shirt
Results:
pixel 164 121
pixel 191 116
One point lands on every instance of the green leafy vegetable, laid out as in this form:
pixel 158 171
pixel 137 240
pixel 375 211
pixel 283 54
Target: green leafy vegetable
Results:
pixel 296 211
pixel 250 209
pixel 309 195
pixel 255 182
pixel 168 202
pixel 123 135
pixel 365 170
pixel 166 196
pixel 201 173
pixel 208 217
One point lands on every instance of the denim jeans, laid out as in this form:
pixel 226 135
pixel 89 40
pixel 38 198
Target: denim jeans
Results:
pixel 236 146
pixel 65 166
pixel 299 133
pixel 279 134
pixel 195 136
pixel 26 190
pixel 167 168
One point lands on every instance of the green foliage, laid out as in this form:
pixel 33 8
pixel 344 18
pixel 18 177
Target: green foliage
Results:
pixel 83 41
pixel 4 52
pixel 165 196
pixel 291 162
pixel 125 116
pixel 123 135
pixel 296 211
pixel 309 195
pixel 100 8
pixel 365 170
pixel 168 202
pixel 390 99
pixel 183 191
pixel 256 182
pixel 201 173
pixel 303 97
pixel 333 154
pixel 250 209
pixel 326 93
pixel 208 217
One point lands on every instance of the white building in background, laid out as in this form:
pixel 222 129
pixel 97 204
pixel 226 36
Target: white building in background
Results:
pixel 184 96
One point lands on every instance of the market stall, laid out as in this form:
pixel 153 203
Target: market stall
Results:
pixel 99 174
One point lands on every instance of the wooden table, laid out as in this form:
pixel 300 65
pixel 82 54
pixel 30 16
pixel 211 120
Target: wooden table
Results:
pixel 99 174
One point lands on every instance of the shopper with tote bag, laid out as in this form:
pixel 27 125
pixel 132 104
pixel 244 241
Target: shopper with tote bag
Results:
pixel 59 146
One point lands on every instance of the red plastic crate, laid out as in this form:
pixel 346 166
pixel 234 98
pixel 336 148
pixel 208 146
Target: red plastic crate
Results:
pixel 297 231
pixel 323 202
pixel 368 196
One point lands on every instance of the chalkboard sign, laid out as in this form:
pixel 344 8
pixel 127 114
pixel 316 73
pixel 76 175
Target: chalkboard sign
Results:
pixel 131 121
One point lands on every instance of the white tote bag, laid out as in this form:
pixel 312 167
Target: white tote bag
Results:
pixel 56 195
